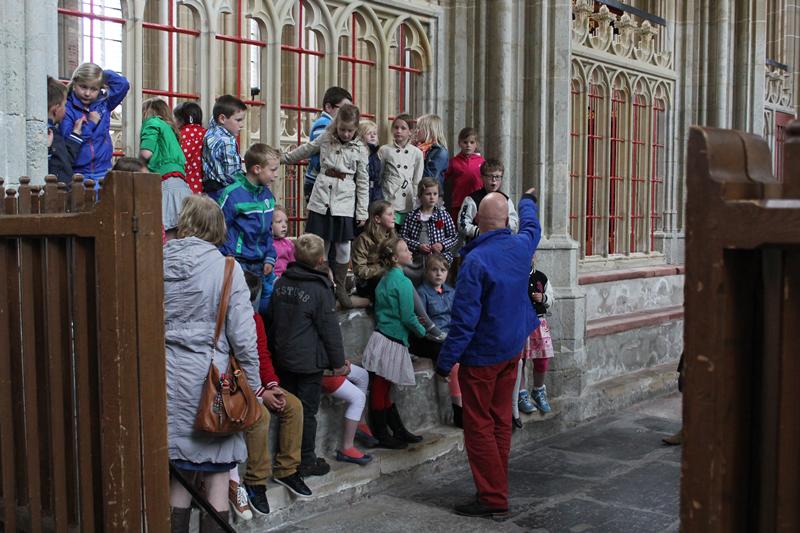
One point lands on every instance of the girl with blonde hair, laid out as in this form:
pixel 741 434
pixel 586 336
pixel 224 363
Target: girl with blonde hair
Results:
pixel 431 140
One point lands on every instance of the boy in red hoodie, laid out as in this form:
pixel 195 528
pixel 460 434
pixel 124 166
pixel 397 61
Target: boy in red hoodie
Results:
pixel 463 175
pixel 289 411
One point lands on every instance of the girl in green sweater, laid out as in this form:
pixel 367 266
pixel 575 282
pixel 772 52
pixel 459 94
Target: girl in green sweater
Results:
pixel 160 148
pixel 386 355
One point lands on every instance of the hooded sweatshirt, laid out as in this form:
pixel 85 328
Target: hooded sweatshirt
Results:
pixel 193 277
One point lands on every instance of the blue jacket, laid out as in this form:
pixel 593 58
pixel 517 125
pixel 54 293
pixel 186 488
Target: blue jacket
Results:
pixel 375 169
pixel 439 306
pixel 317 128
pixel 97 150
pixel 492 313
pixel 248 216
pixel 436 162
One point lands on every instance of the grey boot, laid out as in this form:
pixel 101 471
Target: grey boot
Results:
pixel 180 519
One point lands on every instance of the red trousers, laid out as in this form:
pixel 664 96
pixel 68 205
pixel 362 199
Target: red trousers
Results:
pixel 485 393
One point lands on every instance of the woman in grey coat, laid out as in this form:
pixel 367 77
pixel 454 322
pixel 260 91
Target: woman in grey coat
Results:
pixel 193 277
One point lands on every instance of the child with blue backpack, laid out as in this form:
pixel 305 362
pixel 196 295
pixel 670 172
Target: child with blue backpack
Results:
pixel 247 205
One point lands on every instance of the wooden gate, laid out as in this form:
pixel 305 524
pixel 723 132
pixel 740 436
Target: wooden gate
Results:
pixel 741 458
pixel 82 375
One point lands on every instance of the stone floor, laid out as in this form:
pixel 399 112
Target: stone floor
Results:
pixel 611 475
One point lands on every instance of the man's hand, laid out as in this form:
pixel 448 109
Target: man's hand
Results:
pixel 268 269
pixel 274 399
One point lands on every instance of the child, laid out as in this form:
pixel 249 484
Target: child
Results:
pixel 386 354
pixel 428 229
pixel 352 390
pixel 221 159
pixel 61 151
pixel 189 119
pixel 368 132
pixel 430 139
pixel 367 266
pixel 437 300
pixel 160 147
pixel 369 270
pixel 492 177
pixel 304 338
pixel 288 409
pixel 463 175
pixel 402 169
pixel 247 204
pixel 284 247
pixel 341 189
pixel 538 347
pixel 334 98
pixel 93 94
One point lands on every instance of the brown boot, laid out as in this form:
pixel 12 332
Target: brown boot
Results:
pixel 674 440
pixel 340 278
pixel 180 519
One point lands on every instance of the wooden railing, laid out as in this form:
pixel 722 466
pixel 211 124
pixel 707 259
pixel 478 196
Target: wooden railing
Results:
pixel 82 376
pixel 741 457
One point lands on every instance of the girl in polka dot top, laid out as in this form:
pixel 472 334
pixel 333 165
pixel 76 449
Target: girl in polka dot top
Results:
pixel 189 118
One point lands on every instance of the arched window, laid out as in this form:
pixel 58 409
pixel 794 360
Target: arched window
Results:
pixel 405 79
pixel 596 153
pixel 658 157
pixel 93 32
pixel 640 172
pixel 302 51
pixel 170 50
pixel 618 167
pixel 357 66
pixel 239 43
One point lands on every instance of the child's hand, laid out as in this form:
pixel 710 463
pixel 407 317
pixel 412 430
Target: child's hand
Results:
pixel 274 399
pixel 342 370
pixel 437 247
pixel 49 137
pixel 538 297
pixel 268 269
pixel 360 223
pixel 94 116
pixel 78 126
pixel 425 248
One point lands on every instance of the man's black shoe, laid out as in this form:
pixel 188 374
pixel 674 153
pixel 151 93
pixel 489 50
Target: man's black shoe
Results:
pixel 318 468
pixel 258 498
pixel 477 509
pixel 295 484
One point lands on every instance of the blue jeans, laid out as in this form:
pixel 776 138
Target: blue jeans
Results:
pixel 267 283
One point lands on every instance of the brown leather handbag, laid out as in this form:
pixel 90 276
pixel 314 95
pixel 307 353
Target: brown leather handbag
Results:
pixel 227 403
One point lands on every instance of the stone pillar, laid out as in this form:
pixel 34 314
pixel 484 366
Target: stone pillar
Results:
pixel 750 32
pixel 501 85
pixel 546 145
pixel 26 51
pixel 716 22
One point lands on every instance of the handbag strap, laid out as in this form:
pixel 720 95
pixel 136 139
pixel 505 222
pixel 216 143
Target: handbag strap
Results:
pixel 224 298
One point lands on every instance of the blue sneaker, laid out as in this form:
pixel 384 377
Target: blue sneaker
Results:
pixel 524 403
pixel 540 399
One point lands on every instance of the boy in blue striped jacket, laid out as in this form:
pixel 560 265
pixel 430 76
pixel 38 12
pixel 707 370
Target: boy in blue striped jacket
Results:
pixel 247 205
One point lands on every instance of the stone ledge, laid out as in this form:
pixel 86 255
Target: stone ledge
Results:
pixel 629 321
pixel 631 273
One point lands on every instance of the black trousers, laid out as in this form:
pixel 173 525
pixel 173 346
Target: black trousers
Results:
pixel 308 389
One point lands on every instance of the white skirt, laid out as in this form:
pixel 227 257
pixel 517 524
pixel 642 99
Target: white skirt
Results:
pixel 173 191
pixel 389 359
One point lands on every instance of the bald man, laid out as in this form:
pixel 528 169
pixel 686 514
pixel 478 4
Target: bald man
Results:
pixel 492 316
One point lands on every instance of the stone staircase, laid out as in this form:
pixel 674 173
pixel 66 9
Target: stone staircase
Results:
pixel 426 409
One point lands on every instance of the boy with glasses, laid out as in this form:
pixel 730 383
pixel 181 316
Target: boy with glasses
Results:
pixel 492 177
